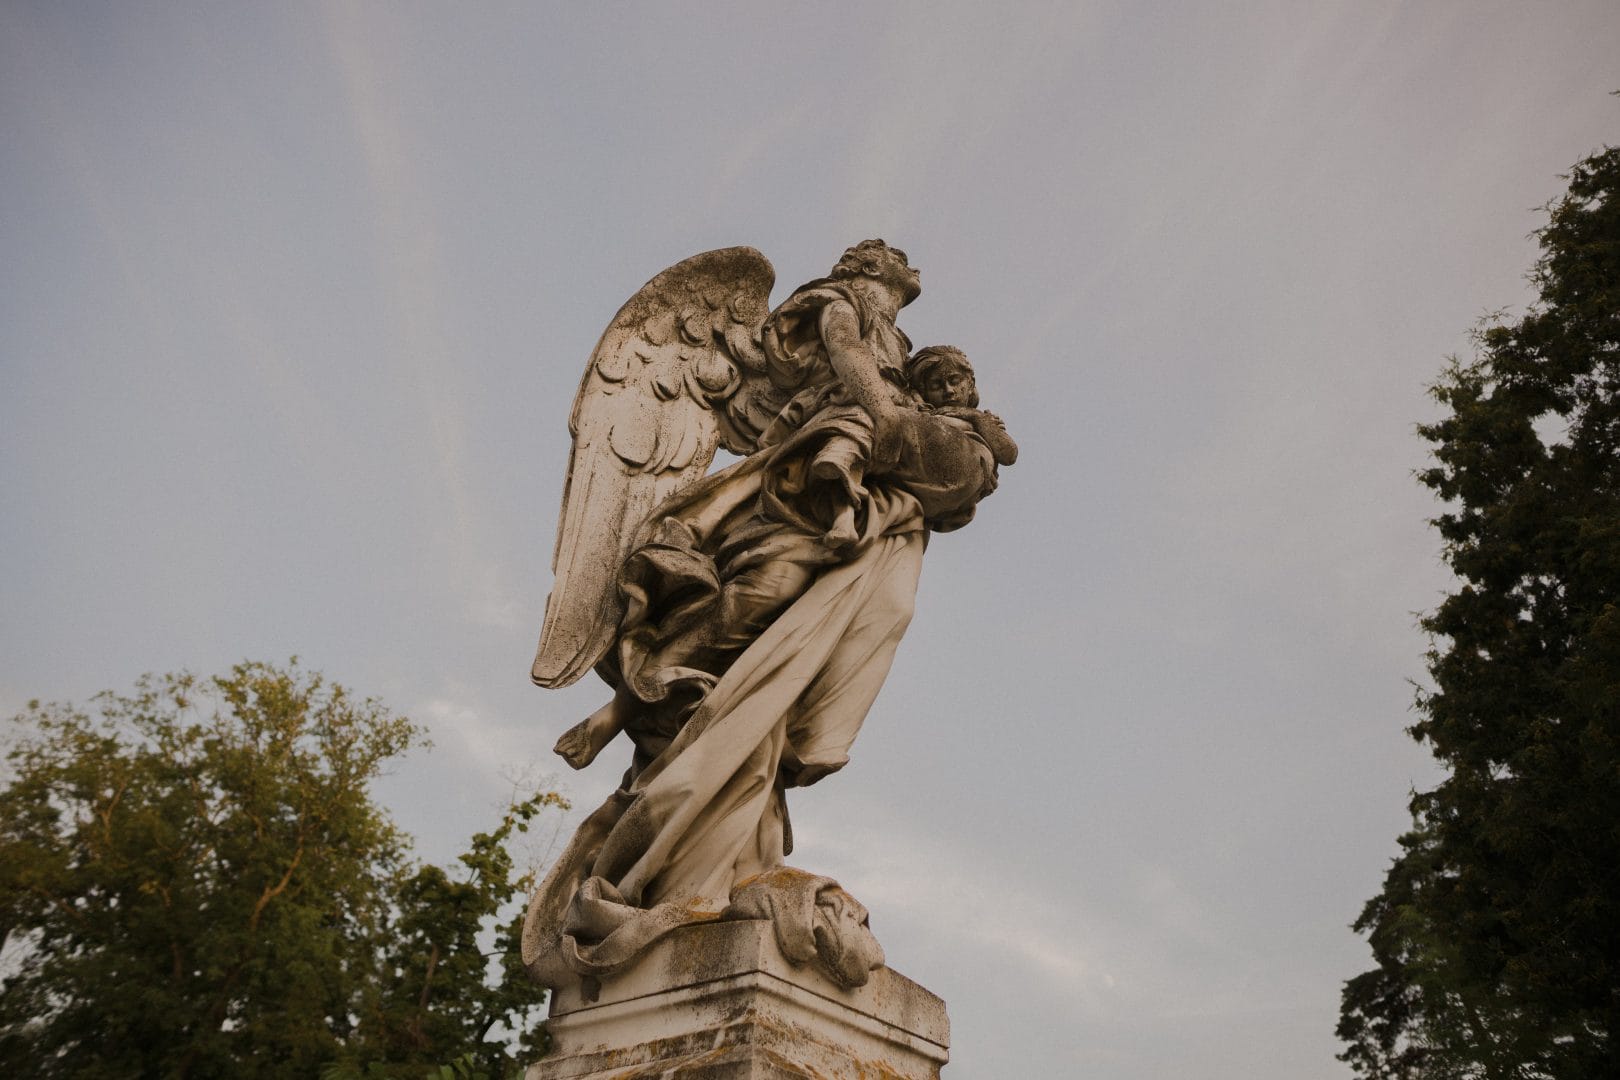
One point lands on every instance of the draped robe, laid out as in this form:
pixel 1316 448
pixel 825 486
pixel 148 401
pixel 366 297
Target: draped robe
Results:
pixel 751 648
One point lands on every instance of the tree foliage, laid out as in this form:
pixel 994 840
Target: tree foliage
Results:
pixel 196 883
pixel 437 998
pixel 1497 933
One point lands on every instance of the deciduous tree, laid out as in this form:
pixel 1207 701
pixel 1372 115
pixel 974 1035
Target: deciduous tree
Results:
pixel 195 882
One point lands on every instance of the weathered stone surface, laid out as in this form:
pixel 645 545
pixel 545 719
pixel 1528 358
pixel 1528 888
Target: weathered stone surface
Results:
pixel 744 619
pixel 719 1001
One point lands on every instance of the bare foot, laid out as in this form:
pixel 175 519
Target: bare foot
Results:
pixel 581 743
pixel 826 470
pixel 575 746
pixel 843 532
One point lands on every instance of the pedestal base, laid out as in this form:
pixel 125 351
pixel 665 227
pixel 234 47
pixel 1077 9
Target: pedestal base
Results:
pixel 718 1001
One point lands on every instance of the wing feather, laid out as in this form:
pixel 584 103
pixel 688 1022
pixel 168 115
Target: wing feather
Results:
pixel 645 425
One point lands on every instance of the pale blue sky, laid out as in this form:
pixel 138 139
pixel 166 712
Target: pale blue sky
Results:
pixel 296 297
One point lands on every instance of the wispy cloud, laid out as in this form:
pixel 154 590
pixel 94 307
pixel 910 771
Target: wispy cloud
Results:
pixel 932 91
pixel 37 62
pixel 459 726
pixel 962 899
pixel 408 259
pixel 1158 949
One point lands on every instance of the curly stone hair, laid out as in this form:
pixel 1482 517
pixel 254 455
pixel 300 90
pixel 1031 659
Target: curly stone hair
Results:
pixel 925 360
pixel 869 258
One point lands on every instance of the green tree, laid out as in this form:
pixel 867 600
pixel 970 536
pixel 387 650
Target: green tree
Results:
pixel 1497 933
pixel 196 883
pixel 436 997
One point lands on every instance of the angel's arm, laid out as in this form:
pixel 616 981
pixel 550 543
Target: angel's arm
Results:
pixel 857 369
pixel 994 434
pixel 988 426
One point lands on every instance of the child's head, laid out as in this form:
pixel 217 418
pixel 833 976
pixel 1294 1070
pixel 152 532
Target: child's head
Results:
pixel 943 376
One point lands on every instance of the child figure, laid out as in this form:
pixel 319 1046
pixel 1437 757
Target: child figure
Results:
pixel 943 377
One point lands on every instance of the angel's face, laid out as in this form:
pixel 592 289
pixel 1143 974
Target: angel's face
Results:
pixel 903 276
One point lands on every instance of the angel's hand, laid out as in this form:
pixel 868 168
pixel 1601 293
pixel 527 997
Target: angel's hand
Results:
pixel 994 433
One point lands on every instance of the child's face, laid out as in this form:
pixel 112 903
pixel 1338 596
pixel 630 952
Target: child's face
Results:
pixel 950 385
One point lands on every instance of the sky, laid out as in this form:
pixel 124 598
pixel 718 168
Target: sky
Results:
pixel 294 299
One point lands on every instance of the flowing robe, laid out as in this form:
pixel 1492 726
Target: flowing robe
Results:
pixel 751 648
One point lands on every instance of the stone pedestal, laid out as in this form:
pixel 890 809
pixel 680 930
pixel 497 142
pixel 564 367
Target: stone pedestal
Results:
pixel 717 1001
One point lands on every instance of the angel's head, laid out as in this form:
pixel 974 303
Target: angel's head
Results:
pixel 943 376
pixel 884 264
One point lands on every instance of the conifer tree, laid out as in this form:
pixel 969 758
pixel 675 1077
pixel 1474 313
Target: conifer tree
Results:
pixel 1497 933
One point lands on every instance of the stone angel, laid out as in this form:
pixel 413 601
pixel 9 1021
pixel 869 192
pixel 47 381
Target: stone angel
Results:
pixel 745 619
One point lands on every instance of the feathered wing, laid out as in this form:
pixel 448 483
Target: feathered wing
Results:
pixel 677 373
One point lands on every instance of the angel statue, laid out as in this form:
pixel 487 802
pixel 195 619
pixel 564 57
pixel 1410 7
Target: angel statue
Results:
pixel 744 619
